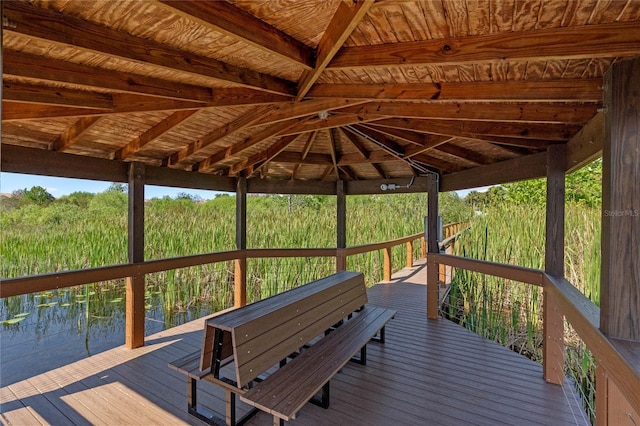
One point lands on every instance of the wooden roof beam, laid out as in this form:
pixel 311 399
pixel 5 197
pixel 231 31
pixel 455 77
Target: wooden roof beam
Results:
pixel 562 90
pixel 48 95
pixel 334 137
pixel 73 133
pixel 618 39
pixel 356 143
pixel 344 21
pixel 59 28
pixel 224 17
pixel 264 134
pixel 257 161
pixel 212 137
pixel 305 151
pixel 422 140
pixel 41 68
pixel 471 129
pixel 153 133
pixel 97 103
pixel 533 112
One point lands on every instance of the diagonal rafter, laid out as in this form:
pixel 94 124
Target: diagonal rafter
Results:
pixel 266 133
pixel 305 151
pixel 259 160
pixel 57 27
pixel 235 22
pixel 362 150
pixel 344 21
pixel 153 133
pixel 239 123
pixel 333 144
pixel 387 145
pixel 73 133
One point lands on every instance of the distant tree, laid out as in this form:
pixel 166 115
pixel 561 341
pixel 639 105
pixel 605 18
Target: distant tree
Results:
pixel 78 198
pixel 36 195
pixel 189 197
pixel 117 187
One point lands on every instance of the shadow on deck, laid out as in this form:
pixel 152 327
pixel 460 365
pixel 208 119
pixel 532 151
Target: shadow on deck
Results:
pixel 428 372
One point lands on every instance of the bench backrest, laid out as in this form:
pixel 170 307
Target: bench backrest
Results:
pixel 296 318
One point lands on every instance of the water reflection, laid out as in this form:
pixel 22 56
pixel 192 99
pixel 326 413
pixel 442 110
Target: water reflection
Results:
pixel 50 329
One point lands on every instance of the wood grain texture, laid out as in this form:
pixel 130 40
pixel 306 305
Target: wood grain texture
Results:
pixel 489 385
pixel 620 275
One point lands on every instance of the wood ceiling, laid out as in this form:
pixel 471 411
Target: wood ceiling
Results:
pixel 313 90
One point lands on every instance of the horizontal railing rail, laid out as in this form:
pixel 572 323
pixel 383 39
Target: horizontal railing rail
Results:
pixel 580 312
pixel 63 279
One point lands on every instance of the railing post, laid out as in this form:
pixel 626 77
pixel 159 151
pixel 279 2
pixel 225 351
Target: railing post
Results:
pixel 409 254
pixel 134 310
pixel 433 291
pixel 423 248
pixel 341 226
pixel 387 263
pixel 240 269
pixel 553 320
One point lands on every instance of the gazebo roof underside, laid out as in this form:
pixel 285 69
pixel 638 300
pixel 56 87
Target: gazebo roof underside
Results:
pixel 314 90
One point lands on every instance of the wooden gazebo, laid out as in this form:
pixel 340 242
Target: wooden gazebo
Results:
pixel 343 97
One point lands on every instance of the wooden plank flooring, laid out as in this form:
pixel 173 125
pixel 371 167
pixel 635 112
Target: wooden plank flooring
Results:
pixel 429 372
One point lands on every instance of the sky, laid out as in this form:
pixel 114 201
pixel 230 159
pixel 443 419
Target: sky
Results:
pixel 58 187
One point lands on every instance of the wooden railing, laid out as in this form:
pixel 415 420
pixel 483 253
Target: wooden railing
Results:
pixel 618 362
pixel 56 280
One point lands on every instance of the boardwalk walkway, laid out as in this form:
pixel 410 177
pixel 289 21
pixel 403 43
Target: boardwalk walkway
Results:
pixel 430 372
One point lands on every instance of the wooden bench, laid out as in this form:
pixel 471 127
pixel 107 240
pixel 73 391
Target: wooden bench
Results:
pixel 310 332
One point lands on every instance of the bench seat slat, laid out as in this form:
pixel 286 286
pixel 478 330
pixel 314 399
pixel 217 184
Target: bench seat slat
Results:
pixel 286 391
pixel 189 365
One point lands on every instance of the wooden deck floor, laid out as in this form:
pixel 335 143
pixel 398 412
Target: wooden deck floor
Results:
pixel 430 372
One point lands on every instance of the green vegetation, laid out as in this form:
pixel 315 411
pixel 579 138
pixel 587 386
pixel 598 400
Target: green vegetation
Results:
pixel 82 230
pixel 509 228
pixel 86 230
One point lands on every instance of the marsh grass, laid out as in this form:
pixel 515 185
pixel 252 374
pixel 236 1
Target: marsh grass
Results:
pixel 510 313
pixel 35 241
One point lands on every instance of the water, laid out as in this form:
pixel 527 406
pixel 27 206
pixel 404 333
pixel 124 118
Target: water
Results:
pixel 43 331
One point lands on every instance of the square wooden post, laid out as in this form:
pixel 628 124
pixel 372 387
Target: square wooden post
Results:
pixel 620 273
pixel 409 254
pixel 433 292
pixel 386 253
pixel 240 269
pixel 134 310
pixel 553 320
pixel 341 226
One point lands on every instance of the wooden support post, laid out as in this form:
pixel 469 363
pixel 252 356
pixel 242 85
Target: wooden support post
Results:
pixel 433 293
pixel 240 270
pixel 134 311
pixel 409 254
pixel 620 247
pixel 423 248
pixel 387 263
pixel 553 320
pixel 341 226
pixel 620 272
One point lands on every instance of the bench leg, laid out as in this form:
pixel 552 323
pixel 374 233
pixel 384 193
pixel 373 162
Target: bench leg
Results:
pixel 277 421
pixel 230 404
pixel 323 401
pixel 381 338
pixel 363 356
pixel 210 418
